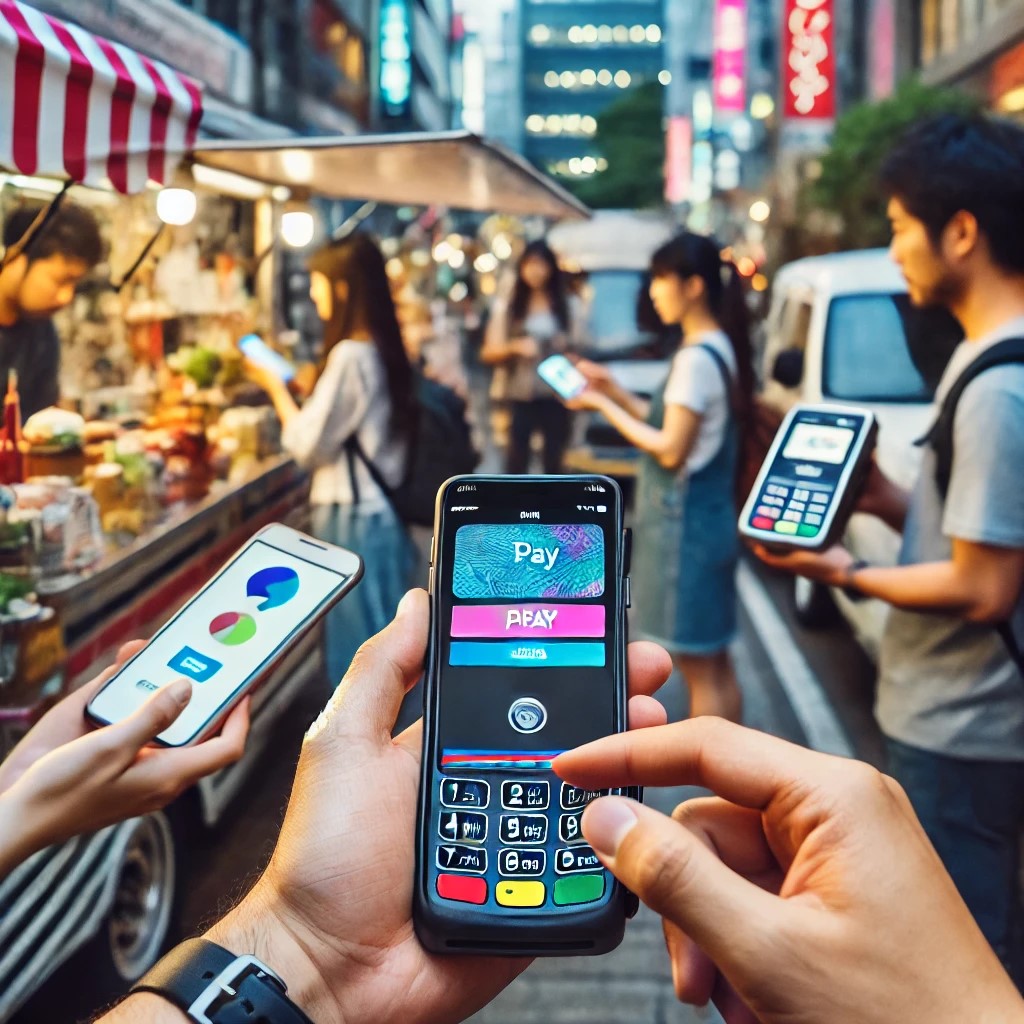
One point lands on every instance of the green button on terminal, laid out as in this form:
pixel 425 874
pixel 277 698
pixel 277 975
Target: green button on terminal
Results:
pixel 578 889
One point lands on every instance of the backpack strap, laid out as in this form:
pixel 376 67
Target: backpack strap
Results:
pixel 723 369
pixel 355 450
pixel 940 435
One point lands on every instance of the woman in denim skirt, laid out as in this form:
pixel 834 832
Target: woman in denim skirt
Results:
pixel 365 392
pixel 685 545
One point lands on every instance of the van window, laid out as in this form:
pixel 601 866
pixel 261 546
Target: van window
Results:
pixel 871 342
pixel 794 324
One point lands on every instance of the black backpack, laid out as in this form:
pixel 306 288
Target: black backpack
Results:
pixel 441 447
pixel 940 438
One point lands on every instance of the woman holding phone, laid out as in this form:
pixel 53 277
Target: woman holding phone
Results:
pixel 364 395
pixel 685 544
pixel 539 319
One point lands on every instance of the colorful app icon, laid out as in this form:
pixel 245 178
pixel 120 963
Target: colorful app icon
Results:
pixel 195 665
pixel 232 629
pixel 276 585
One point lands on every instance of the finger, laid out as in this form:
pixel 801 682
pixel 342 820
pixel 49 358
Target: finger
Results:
pixel 366 704
pixel 735 835
pixel 678 877
pixel 693 972
pixel 125 739
pixel 166 773
pixel 742 765
pixel 646 713
pixel 648 668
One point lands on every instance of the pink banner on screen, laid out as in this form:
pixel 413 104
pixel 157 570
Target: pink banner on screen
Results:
pixel 528 620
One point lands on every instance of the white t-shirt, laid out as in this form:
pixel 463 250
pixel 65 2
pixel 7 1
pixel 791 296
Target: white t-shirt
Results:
pixel 695 382
pixel 350 398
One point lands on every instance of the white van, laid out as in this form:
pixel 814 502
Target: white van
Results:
pixel 840 329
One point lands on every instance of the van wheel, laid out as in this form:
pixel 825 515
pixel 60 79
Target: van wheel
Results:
pixel 134 934
pixel 813 604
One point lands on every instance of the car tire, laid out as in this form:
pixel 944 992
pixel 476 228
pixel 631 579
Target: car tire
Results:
pixel 813 604
pixel 139 927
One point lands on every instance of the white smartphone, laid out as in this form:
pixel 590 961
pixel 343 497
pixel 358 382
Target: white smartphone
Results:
pixel 255 348
pixel 562 377
pixel 231 633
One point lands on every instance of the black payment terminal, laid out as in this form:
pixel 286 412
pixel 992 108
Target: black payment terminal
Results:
pixel 808 485
pixel 526 660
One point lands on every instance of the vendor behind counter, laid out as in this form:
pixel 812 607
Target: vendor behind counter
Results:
pixel 35 285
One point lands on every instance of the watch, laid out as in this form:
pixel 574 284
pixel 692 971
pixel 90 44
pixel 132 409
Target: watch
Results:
pixel 212 986
pixel 849 587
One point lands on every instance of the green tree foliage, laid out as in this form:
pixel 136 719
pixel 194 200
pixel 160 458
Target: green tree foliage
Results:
pixel 847 185
pixel 631 137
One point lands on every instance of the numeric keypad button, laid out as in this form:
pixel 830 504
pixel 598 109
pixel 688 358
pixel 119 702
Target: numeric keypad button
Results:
pixel 462 827
pixel 461 858
pixel 521 863
pixel 574 799
pixel 525 796
pixel 570 829
pixel 523 829
pixel 575 859
pixel 464 793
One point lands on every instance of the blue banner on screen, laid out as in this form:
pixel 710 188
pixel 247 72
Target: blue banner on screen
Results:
pixel 523 561
pixel 527 655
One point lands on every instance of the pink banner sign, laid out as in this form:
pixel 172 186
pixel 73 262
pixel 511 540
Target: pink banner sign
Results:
pixel 730 58
pixel 528 620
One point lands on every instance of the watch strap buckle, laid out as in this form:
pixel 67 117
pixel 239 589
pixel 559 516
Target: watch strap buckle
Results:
pixel 224 986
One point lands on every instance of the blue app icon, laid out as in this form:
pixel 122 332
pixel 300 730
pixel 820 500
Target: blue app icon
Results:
pixel 195 665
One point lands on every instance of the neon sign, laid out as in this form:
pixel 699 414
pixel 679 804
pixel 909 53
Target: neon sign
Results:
pixel 395 57
pixel 809 71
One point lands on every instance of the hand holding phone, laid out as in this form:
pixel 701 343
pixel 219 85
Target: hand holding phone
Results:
pixel 810 480
pixel 257 351
pixel 230 634
pixel 562 377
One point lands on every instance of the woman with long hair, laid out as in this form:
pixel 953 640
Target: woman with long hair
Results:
pixel 364 395
pixel 538 319
pixel 685 544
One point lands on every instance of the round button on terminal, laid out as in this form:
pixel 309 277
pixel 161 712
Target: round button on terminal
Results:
pixel 527 715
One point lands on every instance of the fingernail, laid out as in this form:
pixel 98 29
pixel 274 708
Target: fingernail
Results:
pixel 181 691
pixel 606 822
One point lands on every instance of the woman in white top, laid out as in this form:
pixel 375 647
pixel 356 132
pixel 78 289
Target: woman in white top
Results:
pixel 365 394
pixel 539 319
pixel 685 545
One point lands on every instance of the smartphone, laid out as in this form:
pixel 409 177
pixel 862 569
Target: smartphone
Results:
pixel 562 377
pixel 808 485
pixel 255 348
pixel 231 633
pixel 526 659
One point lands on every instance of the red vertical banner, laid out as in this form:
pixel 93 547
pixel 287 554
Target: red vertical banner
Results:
pixel 809 61
pixel 729 83
pixel 678 160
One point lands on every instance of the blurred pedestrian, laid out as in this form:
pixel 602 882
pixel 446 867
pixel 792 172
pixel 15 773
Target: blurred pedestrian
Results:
pixel 364 394
pixel 685 547
pixel 539 319
pixel 951 689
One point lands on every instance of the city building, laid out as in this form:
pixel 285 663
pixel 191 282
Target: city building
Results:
pixel 972 45
pixel 577 59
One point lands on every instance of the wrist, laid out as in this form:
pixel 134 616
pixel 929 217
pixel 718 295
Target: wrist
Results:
pixel 258 925
pixel 21 835
pixel 848 579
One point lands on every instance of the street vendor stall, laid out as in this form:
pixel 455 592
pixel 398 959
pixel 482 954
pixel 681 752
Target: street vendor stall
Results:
pixel 162 476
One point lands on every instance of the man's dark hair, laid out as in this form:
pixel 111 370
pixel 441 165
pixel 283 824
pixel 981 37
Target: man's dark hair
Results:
pixel 969 162
pixel 72 232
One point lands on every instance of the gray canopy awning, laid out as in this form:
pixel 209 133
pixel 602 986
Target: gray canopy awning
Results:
pixel 455 168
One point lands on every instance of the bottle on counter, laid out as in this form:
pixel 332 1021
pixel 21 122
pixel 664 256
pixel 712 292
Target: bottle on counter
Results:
pixel 12 460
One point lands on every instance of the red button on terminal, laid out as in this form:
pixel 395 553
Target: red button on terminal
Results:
pixel 761 523
pixel 461 888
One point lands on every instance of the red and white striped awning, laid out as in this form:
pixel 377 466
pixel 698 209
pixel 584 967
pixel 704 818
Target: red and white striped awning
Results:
pixel 79 106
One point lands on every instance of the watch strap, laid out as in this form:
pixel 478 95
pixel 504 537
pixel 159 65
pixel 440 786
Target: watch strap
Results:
pixel 849 588
pixel 212 986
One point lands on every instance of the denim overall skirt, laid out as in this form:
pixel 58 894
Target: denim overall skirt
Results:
pixel 685 550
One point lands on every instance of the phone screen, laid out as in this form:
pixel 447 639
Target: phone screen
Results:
pixel 223 637
pixel 799 490
pixel 255 348
pixel 560 374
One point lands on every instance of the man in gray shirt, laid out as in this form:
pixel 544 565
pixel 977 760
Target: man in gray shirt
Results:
pixel 950 695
